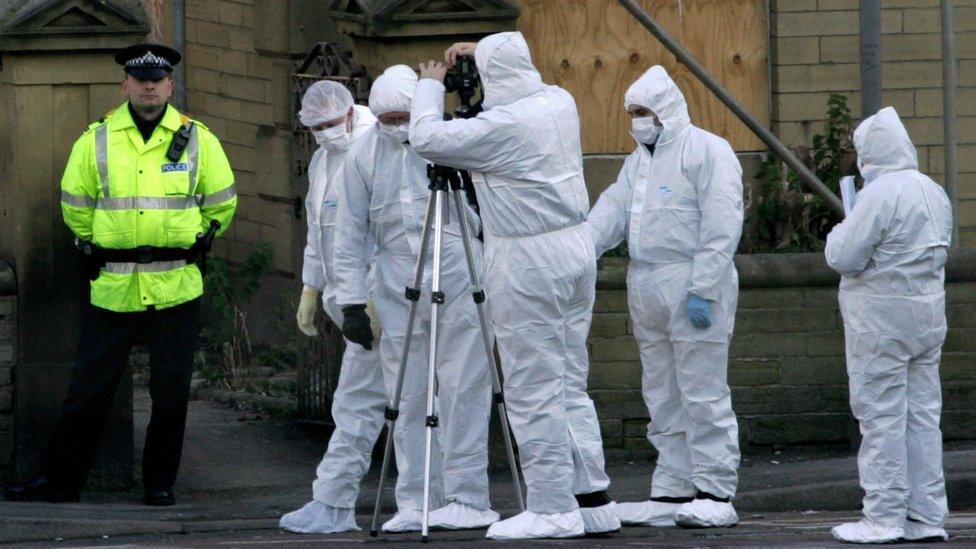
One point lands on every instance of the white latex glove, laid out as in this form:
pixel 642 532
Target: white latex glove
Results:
pixel 307 307
pixel 374 321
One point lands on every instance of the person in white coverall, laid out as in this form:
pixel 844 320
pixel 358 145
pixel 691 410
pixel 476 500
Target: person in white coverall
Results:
pixel 678 203
pixel 526 160
pixel 384 197
pixel 359 400
pixel 891 253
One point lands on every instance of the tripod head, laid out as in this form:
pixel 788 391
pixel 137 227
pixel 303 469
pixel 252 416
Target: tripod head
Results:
pixel 443 178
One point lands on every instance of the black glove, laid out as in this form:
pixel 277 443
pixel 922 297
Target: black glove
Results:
pixel 355 326
pixel 89 262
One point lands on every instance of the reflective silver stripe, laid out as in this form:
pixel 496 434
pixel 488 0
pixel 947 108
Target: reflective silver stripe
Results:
pixel 146 203
pixel 218 197
pixel 77 201
pixel 154 267
pixel 101 156
pixel 192 156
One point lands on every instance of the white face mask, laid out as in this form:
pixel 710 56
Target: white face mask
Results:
pixel 335 138
pixel 645 130
pixel 860 169
pixel 400 134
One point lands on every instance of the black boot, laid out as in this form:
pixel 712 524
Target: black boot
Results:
pixel 160 498
pixel 39 489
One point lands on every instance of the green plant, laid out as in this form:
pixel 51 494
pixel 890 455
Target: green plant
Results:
pixel 278 358
pixel 785 216
pixel 228 354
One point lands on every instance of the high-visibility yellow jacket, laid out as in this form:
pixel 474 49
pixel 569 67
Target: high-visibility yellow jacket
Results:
pixel 121 192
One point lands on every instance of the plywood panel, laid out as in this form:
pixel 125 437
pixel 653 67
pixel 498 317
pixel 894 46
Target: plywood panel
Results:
pixel 596 49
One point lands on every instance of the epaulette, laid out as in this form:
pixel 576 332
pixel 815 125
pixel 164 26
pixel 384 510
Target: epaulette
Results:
pixel 100 122
pixel 198 124
pixel 184 120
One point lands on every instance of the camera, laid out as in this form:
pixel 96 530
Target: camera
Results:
pixel 464 80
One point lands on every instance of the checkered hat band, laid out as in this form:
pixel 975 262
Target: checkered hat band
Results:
pixel 147 60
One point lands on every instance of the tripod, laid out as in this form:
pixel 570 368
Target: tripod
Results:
pixel 441 179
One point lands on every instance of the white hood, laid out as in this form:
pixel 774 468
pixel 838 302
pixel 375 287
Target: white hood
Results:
pixel 506 69
pixel 393 90
pixel 883 145
pixel 656 91
pixel 362 120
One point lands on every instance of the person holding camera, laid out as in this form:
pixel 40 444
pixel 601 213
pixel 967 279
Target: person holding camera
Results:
pixel 383 199
pixel 678 203
pixel 526 160
pixel 357 406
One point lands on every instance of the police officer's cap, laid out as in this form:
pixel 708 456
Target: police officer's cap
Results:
pixel 148 61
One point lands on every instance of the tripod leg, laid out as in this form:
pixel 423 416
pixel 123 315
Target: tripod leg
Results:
pixel 437 299
pixel 392 411
pixel 479 299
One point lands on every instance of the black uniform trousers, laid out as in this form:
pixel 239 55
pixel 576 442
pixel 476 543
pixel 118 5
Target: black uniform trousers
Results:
pixel 107 339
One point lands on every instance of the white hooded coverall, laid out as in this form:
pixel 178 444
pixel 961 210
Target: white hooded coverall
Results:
pixel 525 154
pixel 384 199
pixel 680 210
pixel 359 399
pixel 891 253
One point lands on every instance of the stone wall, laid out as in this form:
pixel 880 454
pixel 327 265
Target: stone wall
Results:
pixel 815 51
pixel 239 59
pixel 240 56
pixel 786 367
pixel 8 321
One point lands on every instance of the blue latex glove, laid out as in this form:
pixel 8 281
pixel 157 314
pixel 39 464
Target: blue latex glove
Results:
pixel 699 312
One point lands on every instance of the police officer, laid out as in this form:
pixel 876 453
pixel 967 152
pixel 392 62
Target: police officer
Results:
pixel 145 191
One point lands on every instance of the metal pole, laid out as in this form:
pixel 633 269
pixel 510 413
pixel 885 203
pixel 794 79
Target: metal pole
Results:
pixel 684 57
pixel 436 300
pixel 870 57
pixel 949 112
pixel 179 44
pixel 393 410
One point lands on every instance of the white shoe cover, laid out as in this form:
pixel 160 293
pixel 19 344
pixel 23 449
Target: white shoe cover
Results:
pixel 919 531
pixel 705 513
pixel 458 516
pixel 529 525
pixel 647 513
pixel 600 520
pixel 407 520
pixel 318 518
pixel 863 531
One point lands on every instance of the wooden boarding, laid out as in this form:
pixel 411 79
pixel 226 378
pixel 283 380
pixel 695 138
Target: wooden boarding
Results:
pixel 596 49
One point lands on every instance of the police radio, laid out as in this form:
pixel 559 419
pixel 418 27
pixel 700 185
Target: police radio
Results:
pixel 180 139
